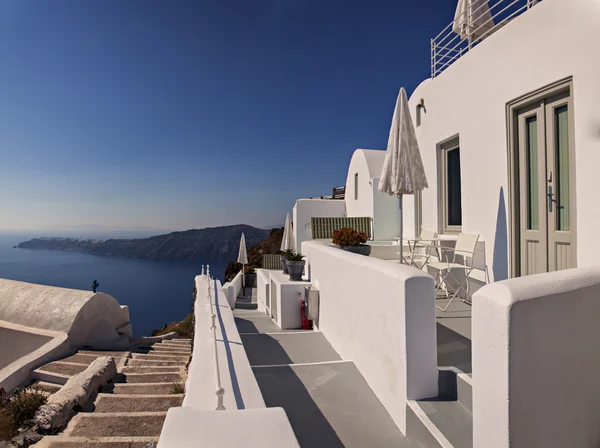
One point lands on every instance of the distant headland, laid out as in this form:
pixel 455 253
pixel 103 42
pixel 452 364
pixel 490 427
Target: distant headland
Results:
pixel 213 243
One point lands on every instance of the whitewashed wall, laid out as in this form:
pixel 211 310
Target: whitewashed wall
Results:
pixel 241 388
pixel 305 209
pixel 245 421
pixel 554 40
pixel 536 361
pixel 232 289
pixel 371 202
pixel 381 316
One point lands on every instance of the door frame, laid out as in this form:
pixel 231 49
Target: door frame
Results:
pixel 512 109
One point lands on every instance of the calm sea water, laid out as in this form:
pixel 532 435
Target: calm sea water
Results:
pixel 156 292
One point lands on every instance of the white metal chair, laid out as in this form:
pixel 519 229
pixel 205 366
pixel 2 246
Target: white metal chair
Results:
pixel 420 249
pixel 461 259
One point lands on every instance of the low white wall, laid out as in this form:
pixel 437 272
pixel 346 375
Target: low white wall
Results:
pixel 237 378
pixel 233 289
pixel 262 288
pixel 381 316
pixel 305 209
pixel 23 349
pixel 536 361
pixel 246 420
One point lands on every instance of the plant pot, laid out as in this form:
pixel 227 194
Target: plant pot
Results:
pixel 284 264
pixel 251 280
pixel 295 269
pixel 363 249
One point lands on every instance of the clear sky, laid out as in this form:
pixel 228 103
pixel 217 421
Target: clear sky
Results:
pixel 181 114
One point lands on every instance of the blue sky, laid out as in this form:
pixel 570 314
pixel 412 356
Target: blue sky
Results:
pixel 187 114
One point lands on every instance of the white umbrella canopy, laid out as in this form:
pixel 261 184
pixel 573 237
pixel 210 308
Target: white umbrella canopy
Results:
pixel 472 19
pixel 402 171
pixel 287 242
pixel 243 259
pixel 242 254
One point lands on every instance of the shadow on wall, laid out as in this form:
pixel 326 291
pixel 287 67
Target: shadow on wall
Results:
pixel 500 256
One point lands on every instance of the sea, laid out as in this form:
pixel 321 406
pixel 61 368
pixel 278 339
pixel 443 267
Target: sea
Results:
pixel 157 292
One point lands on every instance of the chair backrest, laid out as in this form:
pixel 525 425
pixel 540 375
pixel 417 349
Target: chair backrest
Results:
pixel 466 242
pixel 428 237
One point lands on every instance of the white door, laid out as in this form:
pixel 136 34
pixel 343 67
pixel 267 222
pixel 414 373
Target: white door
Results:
pixel 546 185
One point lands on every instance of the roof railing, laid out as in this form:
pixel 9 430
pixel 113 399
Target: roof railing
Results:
pixel 449 46
pixel 220 391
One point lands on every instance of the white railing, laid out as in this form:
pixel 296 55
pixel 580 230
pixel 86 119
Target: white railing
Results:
pixel 220 391
pixel 449 46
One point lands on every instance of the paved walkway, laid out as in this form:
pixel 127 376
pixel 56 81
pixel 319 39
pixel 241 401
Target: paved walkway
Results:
pixel 327 400
pixel 454 335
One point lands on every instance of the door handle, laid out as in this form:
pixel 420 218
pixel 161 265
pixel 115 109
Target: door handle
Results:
pixel 550 198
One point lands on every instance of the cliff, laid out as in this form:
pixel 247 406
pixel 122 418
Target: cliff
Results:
pixel 271 245
pixel 214 243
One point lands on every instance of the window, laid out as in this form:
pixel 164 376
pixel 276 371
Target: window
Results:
pixel 450 196
pixel 356 186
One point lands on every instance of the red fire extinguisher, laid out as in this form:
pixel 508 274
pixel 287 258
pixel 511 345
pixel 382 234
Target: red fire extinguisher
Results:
pixel 306 324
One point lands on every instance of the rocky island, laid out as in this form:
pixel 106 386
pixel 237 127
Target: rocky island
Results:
pixel 213 243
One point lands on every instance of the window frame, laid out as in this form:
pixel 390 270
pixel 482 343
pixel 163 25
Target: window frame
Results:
pixel 451 144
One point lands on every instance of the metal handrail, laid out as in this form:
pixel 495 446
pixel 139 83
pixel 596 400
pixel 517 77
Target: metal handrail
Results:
pixel 446 49
pixel 220 391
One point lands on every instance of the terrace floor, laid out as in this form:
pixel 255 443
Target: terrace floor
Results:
pixel 328 402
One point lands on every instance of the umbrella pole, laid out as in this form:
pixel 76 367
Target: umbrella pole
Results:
pixel 400 236
pixel 244 279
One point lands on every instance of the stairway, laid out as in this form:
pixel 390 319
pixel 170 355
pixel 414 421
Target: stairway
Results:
pixel 130 412
pixel 447 420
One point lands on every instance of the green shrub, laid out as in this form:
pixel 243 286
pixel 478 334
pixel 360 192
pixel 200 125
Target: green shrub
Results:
pixel 295 256
pixel 288 253
pixel 17 409
pixel 347 236
pixel 178 388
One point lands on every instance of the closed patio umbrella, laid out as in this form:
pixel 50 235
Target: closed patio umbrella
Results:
pixel 243 259
pixel 472 19
pixel 402 171
pixel 287 242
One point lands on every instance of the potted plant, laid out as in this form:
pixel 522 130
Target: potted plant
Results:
pixel 250 274
pixel 295 265
pixel 351 240
pixel 284 257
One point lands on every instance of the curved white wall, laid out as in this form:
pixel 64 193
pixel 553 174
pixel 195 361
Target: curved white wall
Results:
pixel 553 40
pixel 371 202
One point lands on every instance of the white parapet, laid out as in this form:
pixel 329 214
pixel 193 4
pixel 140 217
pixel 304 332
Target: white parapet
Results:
pixel 536 361
pixel 381 316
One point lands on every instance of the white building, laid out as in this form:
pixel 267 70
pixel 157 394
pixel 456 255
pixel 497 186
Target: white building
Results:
pixel 512 121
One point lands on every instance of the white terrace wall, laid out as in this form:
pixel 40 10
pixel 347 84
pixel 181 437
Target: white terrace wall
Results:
pixel 305 209
pixel 553 40
pixel 232 289
pixel 536 361
pixel 245 421
pixel 381 316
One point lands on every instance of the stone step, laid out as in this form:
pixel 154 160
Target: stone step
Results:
pixel 174 342
pixel 153 369
pixel 116 424
pixel 49 377
pixel 139 363
pixel 137 403
pixel 81 358
pixel 152 357
pixel 163 349
pixel 149 378
pixel 98 353
pixel 157 353
pixel 94 442
pixel 142 389
pixel 439 423
pixel 45 386
pixel 65 368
